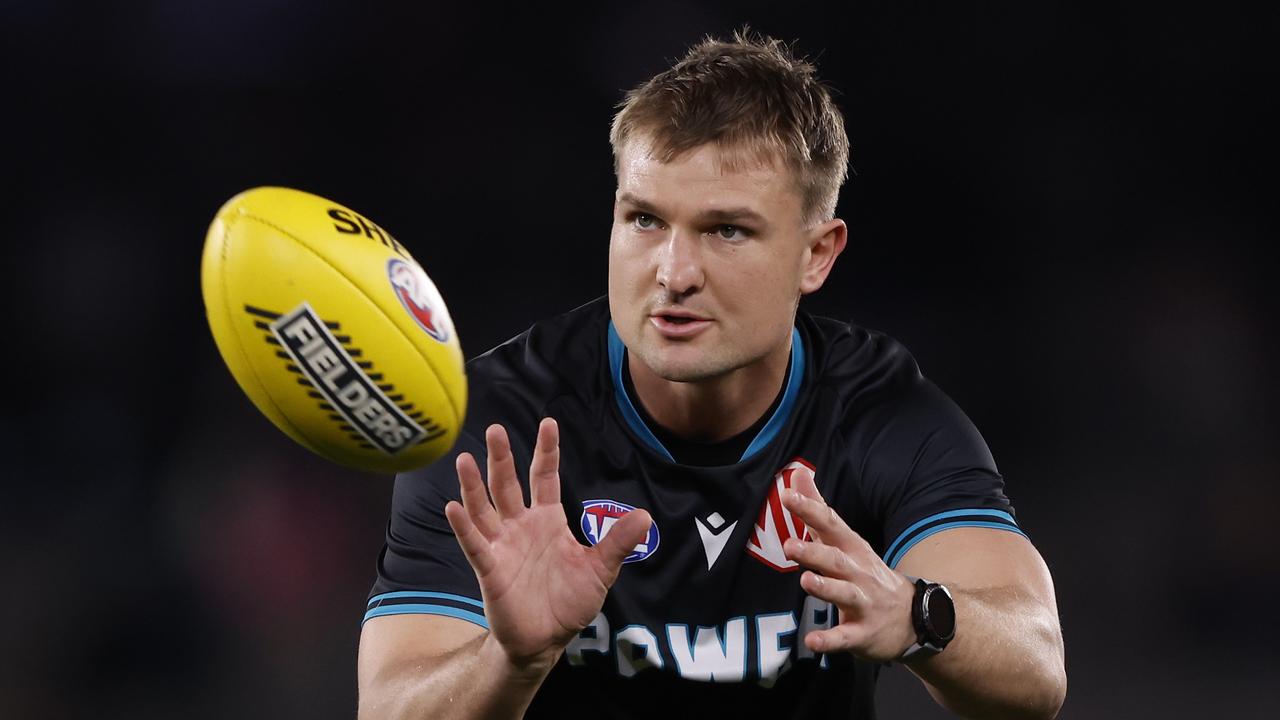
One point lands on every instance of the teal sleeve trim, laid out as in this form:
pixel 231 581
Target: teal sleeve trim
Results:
pixel 423 594
pixel 417 609
pixel 897 557
pixel 972 512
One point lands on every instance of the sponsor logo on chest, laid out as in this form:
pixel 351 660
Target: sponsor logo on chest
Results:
pixel 759 649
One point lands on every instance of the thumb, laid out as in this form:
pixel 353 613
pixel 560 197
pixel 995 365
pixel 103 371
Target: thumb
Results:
pixel 623 537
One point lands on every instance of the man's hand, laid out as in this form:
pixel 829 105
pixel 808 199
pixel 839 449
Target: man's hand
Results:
pixel 874 601
pixel 1005 661
pixel 540 586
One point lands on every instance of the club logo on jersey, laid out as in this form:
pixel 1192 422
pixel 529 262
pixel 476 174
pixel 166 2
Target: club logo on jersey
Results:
pixel 598 517
pixel 417 295
pixel 776 523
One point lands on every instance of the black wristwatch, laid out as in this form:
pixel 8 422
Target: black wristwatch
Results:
pixel 933 614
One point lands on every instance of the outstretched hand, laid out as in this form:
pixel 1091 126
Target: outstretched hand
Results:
pixel 874 601
pixel 540 586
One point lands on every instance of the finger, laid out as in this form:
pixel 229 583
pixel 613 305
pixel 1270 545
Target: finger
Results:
pixel 843 593
pixel 504 486
pixel 803 483
pixel 474 497
pixel 474 545
pixel 544 471
pixel 629 531
pixel 822 519
pixel 826 559
pixel 843 637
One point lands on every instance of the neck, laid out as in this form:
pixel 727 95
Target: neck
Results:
pixel 717 408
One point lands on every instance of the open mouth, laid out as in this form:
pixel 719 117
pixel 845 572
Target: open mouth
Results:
pixel 679 326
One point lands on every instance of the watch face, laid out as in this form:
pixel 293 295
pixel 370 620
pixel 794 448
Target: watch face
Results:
pixel 941 613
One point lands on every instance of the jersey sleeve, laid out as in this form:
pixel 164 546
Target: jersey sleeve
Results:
pixel 928 470
pixel 421 568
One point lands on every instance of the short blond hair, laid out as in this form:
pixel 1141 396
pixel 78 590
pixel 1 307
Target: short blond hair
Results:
pixel 752 97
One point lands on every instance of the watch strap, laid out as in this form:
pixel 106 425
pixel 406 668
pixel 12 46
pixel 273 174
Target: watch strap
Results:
pixel 917 649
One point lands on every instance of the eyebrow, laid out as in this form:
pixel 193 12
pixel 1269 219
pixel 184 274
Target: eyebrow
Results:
pixel 724 215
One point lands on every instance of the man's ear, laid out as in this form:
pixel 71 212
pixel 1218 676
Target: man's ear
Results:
pixel 826 242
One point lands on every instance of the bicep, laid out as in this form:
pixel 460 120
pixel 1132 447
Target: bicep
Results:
pixel 391 643
pixel 978 558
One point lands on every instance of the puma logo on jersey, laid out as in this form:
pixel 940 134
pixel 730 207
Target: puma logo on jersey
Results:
pixel 776 523
pixel 714 534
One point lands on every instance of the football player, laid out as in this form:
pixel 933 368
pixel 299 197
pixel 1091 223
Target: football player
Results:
pixel 692 495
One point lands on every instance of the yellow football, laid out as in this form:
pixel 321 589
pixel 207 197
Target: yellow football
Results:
pixel 333 330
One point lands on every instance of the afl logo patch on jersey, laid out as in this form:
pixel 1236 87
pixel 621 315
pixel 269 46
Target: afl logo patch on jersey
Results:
pixel 415 292
pixel 598 517
pixel 776 523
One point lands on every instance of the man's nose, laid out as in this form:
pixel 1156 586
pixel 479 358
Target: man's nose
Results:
pixel 680 269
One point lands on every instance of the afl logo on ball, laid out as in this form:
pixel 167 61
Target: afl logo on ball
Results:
pixel 418 297
pixel 598 517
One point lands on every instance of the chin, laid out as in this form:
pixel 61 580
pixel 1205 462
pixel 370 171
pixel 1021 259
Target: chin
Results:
pixel 683 374
pixel 683 364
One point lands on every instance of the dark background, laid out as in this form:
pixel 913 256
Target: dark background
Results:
pixel 1064 213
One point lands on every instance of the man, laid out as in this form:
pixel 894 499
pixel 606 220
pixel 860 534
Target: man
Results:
pixel 728 503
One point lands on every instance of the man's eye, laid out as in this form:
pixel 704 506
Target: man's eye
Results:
pixel 645 222
pixel 730 232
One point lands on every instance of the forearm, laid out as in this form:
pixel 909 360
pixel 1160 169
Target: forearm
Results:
pixel 473 681
pixel 1006 660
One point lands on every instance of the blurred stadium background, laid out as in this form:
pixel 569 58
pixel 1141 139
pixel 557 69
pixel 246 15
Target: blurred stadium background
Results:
pixel 1063 212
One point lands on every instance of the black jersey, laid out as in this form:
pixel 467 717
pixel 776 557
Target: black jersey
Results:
pixel 706 612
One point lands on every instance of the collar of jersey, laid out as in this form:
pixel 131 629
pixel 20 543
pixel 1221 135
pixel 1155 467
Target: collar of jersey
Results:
pixel 617 351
